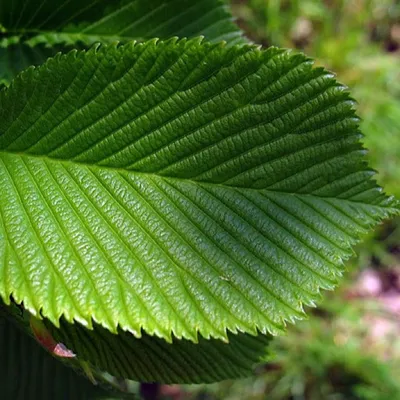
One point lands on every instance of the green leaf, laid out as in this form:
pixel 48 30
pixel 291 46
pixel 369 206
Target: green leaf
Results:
pixel 43 28
pixel 100 20
pixel 147 359
pixel 179 188
pixel 28 373
pixel 16 56
pixel 150 359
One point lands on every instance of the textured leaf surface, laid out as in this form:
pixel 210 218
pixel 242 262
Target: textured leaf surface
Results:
pixel 99 20
pixel 147 359
pixel 42 28
pixel 179 187
pixel 150 359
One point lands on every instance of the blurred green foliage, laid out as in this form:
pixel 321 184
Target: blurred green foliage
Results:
pixel 329 357
pixel 334 355
pixel 323 358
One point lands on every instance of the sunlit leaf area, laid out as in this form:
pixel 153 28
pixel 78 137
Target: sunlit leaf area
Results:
pixel 198 199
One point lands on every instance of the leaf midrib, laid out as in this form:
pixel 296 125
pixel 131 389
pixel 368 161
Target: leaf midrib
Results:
pixel 279 299
pixel 123 171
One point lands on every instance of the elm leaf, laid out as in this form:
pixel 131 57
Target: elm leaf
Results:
pixel 180 188
pixel 36 29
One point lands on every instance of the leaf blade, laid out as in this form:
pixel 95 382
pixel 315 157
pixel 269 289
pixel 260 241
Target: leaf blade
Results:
pixel 129 19
pixel 38 30
pixel 181 188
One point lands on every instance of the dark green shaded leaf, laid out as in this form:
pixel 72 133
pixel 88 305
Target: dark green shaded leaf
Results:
pixel 42 28
pixel 29 373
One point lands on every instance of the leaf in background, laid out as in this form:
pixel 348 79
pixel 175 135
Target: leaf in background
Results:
pixel 179 188
pixel 151 359
pixel 16 56
pixel 43 28
pixel 147 359
pixel 28 373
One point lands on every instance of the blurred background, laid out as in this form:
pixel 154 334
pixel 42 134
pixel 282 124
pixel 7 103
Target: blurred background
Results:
pixel 349 348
